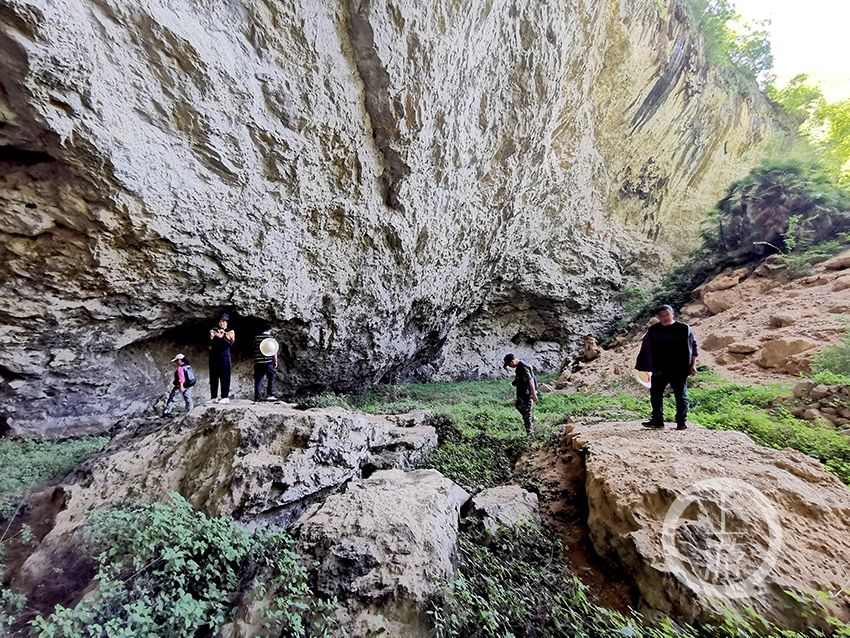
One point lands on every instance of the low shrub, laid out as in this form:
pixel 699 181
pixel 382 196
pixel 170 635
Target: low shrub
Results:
pixel 834 360
pixel 165 569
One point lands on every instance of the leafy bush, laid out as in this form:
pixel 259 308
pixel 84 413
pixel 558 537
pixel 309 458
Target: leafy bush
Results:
pixel 166 570
pixel 518 584
pixel 824 126
pixel 834 359
pixel 791 209
pixel 742 51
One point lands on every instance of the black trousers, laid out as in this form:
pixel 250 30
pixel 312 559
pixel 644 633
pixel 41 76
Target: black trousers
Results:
pixel 263 371
pixel 220 371
pixel 679 383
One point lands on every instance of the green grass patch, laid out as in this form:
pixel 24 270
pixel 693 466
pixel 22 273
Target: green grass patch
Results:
pixel 27 464
pixel 518 584
pixel 723 405
pixel 481 433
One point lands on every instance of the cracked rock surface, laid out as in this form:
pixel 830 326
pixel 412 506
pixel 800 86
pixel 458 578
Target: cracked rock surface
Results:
pixel 262 464
pixel 701 519
pixel 403 189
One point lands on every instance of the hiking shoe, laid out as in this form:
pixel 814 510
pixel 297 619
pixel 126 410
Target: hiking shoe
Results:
pixel 224 400
pixel 681 426
pixel 271 398
pixel 653 425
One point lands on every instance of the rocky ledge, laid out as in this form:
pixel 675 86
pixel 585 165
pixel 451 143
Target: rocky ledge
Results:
pixel 701 519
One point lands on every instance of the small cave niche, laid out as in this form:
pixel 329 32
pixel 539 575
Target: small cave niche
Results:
pixel 23 157
pixel 5 428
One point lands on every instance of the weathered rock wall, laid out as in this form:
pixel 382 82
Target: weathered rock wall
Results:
pixel 401 188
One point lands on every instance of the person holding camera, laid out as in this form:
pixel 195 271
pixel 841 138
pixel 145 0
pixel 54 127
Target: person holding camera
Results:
pixel 221 339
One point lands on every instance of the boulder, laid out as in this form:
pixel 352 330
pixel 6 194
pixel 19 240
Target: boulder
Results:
pixel 782 320
pixel 705 518
pixel 716 341
pixel 842 283
pixel 742 347
pixel 839 262
pixel 695 310
pixel 820 391
pixel 727 279
pixel 811 414
pixel 721 300
pixel 803 388
pixel 260 463
pixel 506 505
pixel 776 353
pixel 382 546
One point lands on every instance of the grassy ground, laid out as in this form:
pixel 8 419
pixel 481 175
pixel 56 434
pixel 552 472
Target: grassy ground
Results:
pixel 28 464
pixel 481 433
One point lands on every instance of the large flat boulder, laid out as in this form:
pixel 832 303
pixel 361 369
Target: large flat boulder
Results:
pixel 703 518
pixel 382 546
pixel 260 463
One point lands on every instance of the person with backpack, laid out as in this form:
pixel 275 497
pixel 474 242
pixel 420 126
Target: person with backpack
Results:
pixel 526 389
pixel 184 379
pixel 221 339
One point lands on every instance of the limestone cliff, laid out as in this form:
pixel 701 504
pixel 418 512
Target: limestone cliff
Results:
pixel 401 188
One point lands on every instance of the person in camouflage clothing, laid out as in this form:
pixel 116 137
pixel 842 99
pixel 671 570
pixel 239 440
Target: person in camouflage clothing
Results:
pixel 526 389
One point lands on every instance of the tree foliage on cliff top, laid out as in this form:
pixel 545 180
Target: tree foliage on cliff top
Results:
pixel 740 49
pixel 823 126
pixel 796 210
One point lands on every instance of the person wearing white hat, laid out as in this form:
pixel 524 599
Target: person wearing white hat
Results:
pixel 265 362
pixel 184 379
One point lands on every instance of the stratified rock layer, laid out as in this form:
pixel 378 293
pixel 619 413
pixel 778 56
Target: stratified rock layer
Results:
pixel 700 519
pixel 401 188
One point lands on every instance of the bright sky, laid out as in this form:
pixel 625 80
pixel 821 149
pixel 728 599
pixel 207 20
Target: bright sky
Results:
pixel 808 36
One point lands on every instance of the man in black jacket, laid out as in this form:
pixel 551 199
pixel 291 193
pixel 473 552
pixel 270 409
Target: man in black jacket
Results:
pixel 526 390
pixel 669 352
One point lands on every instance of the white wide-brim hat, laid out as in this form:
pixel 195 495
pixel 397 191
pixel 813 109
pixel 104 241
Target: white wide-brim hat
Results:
pixel 269 346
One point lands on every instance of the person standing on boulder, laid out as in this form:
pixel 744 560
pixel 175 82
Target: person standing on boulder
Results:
pixel 264 367
pixel 221 339
pixel 184 379
pixel 526 390
pixel 669 351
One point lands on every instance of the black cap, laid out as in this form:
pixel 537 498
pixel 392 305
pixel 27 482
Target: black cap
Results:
pixel 508 358
pixel 224 317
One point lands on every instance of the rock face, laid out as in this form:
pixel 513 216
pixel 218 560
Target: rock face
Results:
pixel 700 515
pixel 262 464
pixel 400 188
pixel 382 547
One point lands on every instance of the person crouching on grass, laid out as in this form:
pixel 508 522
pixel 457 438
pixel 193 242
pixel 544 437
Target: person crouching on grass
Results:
pixel 184 379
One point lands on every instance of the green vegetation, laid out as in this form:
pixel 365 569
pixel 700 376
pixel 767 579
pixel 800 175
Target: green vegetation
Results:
pixel 167 570
pixel 481 434
pixel 27 464
pixel 833 362
pixel 517 584
pixel 722 405
pixel 823 126
pixel 741 50
pixel 796 211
